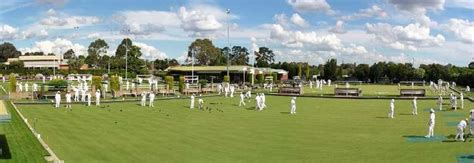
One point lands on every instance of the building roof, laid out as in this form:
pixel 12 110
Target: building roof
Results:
pixel 235 68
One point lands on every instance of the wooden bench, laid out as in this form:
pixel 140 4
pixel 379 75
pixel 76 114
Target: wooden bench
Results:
pixel 412 92
pixel 290 91
pixel 420 83
pixel 191 91
pixel 347 92
pixel 208 90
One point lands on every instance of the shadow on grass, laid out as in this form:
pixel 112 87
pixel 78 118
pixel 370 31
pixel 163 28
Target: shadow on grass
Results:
pixel 382 117
pixel 250 108
pixel 5 149
pixel 404 114
pixel 285 112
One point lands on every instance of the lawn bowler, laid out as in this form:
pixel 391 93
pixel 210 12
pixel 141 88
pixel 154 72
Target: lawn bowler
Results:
pixel 68 99
pixel 431 124
pixel 97 97
pixel 293 106
pixel 415 110
pixel 242 99
pixel 200 102
pixel 191 106
pixel 391 112
pixel 143 101
pixel 89 98
pixel 57 99
pixel 152 99
pixel 460 130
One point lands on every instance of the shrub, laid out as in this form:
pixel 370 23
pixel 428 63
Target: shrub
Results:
pixel 12 82
pixel 170 81
pixel 203 82
pixel 181 83
pixel 114 83
pixel 260 78
pixel 97 82
pixel 58 83
pixel 275 77
pixel 226 78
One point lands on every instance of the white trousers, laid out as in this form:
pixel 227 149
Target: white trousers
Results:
pixel 460 134
pixel 431 131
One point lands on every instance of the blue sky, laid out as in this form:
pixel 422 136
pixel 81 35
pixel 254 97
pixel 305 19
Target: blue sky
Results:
pixel 362 31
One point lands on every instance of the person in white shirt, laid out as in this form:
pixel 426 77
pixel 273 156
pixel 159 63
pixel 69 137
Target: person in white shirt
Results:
pixel 143 101
pixel 232 89
pixel 152 99
pixel 68 100
pixel 263 105
pixel 219 89
pixel 257 101
pixel 76 94
pixel 57 99
pixel 461 97
pixel 431 124
pixel 310 84
pixel 35 87
pixel 89 98
pixel 83 95
pixel 392 109
pixel 293 105
pixel 455 103
pixel 242 99
pixel 200 102
pixel 468 89
pixel 191 106
pixel 460 130
pixel 226 91
pixel 127 85
pixel 329 82
pixel 440 102
pixel 249 94
pixel 20 86
pixel 97 97
pixel 26 87
pixel 415 109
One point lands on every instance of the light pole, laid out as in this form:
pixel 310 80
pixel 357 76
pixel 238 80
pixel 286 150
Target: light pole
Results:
pixel 228 42
pixel 126 61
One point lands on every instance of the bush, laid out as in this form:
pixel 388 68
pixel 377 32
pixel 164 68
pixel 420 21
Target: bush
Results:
pixel 97 82
pixel 203 83
pixel 114 83
pixel 260 78
pixel 275 77
pixel 181 83
pixel 58 84
pixel 226 78
pixel 170 81
pixel 12 82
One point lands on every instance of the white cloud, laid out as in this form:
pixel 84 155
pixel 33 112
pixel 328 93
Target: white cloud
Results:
pixel 57 46
pixel 56 19
pixel 299 21
pixel 203 20
pixel 417 9
pixel 469 4
pixel 298 39
pixel 373 11
pixel 311 6
pixel 338 28
pixel 146 22
pixel 410 36
pixel 462 29
pixel 281 19
pixel 7 32
pixel 150 52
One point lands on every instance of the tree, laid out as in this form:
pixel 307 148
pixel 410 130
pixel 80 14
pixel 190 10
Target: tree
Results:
pixel 135 64
pixel 16 65
pixel 205 53
pixel 69 54
pixel 95 49
pixel 239 55
pixel 471 65
pixel 300 70
pixel 165 63
pixel 75 63
pixel 264 57
pixel 330 69
pixel 362 72
pixel 8 50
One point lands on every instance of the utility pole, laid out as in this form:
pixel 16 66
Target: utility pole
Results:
pixel 228 42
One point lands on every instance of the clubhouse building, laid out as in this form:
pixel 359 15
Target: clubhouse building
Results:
pixel 236 72
pixel 41 61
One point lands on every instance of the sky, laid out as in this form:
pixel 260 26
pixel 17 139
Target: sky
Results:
pixel 313 31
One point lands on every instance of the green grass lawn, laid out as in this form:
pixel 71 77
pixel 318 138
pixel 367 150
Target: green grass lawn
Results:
pixel 22 144
pixel 368 90
pixel 324 130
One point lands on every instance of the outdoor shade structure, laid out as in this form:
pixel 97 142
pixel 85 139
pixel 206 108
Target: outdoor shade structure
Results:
pixel 236 72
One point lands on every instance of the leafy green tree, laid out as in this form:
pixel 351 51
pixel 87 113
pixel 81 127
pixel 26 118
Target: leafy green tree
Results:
pixel 12 82
pixel 239 55
pixel 95 50
pixel 114 85
pixel 97 82
pixel 362 72
pixel 330 69
pixel 162 64
pixel 8 50
pixel 300 70
pixel 264 57
pixel 205 53
pixel 17 65
pixel 69 54
pixel 75 63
